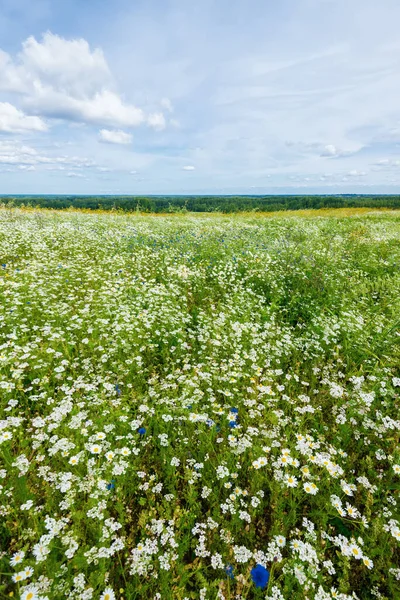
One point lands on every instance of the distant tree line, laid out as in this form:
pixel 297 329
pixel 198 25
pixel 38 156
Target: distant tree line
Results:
pixel 224 204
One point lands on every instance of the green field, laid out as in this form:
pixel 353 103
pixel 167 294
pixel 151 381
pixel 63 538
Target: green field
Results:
pixel 186 397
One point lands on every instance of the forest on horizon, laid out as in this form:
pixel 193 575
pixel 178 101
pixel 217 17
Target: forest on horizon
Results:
pixel 206 203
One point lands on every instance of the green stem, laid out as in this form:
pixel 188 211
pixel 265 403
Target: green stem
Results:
pixel 270 576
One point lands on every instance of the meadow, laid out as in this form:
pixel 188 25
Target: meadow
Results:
pixel 199 407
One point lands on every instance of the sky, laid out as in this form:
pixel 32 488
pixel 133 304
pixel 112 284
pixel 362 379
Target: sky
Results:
pixel 215 96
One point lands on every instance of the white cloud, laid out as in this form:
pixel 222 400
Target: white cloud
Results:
pixel 26 167
pixel 355 173
pixel 67 65
pixel 188 168
pixel 13 120
pixel 157 121
pixel 17 153
pixel 330 150
pixel 104 108
pixel 167 104
pixel 115 136
pixel 66 79
pixel 10 80
pixel 387 163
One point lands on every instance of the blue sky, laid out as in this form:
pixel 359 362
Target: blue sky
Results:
pixel 219 96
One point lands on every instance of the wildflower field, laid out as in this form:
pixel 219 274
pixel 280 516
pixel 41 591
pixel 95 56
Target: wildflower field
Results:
pixel 199 407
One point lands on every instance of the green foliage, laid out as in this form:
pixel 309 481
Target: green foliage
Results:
pixel 223 204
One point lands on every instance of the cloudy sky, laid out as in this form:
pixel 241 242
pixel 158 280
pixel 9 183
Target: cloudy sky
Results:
pixel 215 96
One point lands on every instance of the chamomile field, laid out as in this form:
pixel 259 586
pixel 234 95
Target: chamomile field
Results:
pixel 199 407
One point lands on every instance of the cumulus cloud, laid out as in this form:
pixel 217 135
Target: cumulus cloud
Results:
pixel 116 136
pixel 167 104
pixel 387 163
pixel 13 120
pixel 67 65
pixel 330 150
pixel 17 153
pixel 188 168
pixel 156 120
pixel 104 108
pixel 26 167
pixel 67 79
pixel 10 80
pixel 355 173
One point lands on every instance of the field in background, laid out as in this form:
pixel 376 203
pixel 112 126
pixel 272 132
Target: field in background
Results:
pixel 187 397
pixel 311 212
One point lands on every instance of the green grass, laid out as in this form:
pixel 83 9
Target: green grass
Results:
pixel 110 324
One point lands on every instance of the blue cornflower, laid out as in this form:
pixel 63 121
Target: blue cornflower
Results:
pixel 234 410
pixel 232 424
pixel 118 389
pixel 210 422
pixel 111 485
pixel 142 430
pixel 229 571
pixel 260 576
